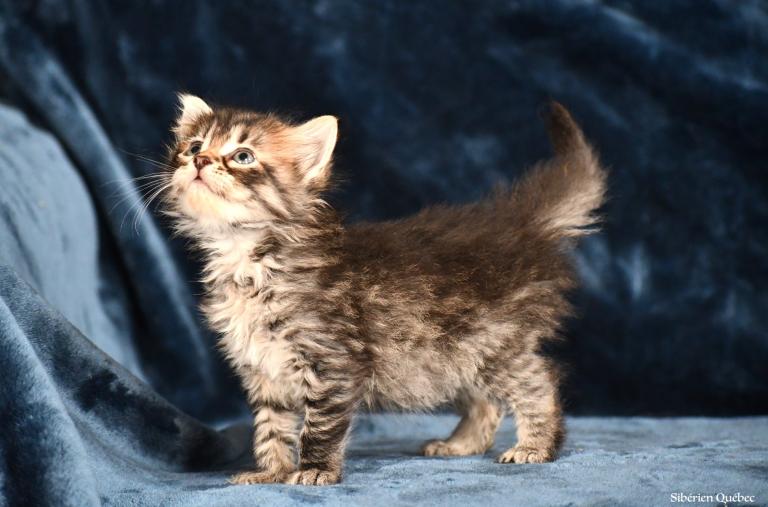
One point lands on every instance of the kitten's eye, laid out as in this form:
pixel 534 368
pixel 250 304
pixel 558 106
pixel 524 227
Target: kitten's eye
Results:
pixel 243 157
pixel 193 149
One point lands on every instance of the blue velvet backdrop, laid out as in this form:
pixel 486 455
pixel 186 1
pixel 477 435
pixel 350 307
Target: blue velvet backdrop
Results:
pixel 440 104
pixel 436 104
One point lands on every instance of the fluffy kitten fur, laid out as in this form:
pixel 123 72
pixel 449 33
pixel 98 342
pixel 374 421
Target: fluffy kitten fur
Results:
pixel 449 306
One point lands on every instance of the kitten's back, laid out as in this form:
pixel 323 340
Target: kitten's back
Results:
pixel 554 200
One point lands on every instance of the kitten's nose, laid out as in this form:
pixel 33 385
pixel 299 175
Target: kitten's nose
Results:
pixel 202 161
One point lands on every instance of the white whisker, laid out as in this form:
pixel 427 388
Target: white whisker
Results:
pixel 147 188
pixel 142 210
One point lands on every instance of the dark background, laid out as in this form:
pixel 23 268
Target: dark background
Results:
pixel 439 101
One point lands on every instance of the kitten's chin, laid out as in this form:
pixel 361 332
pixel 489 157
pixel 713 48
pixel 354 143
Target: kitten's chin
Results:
pixel 208 209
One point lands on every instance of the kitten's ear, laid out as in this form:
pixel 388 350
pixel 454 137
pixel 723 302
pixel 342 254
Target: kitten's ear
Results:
pixel 190 109
pixel 316 140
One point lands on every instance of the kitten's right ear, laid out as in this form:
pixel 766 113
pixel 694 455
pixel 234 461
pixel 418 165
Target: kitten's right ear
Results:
pixel 191 108
pixel 315 141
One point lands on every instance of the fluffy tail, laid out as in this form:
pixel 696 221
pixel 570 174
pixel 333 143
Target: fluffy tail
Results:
pixel 561 195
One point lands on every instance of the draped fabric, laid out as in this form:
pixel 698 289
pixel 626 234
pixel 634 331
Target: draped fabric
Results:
pixel 113 391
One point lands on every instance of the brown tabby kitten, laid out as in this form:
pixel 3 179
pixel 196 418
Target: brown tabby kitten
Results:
pixel 448 306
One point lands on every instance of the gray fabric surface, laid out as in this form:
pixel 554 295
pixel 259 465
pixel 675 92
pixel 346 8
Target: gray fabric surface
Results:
pixel 606 461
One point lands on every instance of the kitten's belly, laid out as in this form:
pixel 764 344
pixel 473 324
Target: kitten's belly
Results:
pixel 421 380
pixel 424 373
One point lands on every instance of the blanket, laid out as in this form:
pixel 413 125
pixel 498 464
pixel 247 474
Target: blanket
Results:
pixel 113 392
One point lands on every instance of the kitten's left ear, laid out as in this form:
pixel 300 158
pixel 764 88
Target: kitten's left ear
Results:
pixel 191 108
pixel 316 140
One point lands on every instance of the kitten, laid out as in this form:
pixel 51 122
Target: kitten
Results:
pixel 317 318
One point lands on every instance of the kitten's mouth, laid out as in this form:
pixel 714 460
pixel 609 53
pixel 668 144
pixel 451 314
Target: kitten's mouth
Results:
pixel 197 181
pixel 199 184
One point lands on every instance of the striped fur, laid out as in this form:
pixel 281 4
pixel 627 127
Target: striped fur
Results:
pixel 449 306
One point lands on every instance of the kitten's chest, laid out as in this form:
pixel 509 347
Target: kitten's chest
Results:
pixel 245 307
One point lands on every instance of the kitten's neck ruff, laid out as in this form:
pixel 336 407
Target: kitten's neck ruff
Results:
pixel 244 258
pixel 250 255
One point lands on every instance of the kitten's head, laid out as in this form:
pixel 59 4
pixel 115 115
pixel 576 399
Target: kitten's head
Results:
pixel 233 167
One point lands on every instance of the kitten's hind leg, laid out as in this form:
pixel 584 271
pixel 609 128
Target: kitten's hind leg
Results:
pixel 474 434
pixel 533 397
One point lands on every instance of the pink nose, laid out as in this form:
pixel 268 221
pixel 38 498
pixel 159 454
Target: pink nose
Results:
pixel 202 161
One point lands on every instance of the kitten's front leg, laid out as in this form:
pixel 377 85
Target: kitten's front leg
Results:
pixel 329 410
pixel 274 440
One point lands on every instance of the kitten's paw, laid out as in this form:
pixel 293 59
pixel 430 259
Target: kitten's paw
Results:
pixel 526 454
pixel 314 477
pixel 447 448
pixel 257 478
